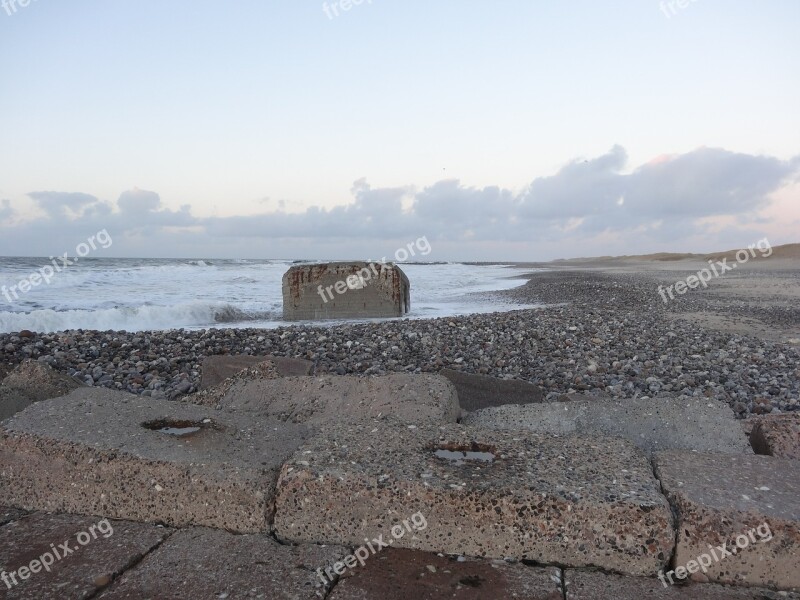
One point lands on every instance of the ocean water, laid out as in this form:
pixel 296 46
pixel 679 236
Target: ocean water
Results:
pixel 159 294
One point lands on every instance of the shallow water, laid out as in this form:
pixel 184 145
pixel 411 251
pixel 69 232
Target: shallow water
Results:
pixel 157 294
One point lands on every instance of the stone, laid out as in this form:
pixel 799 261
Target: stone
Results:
pixel 653 425
pixel 777 435
pixel 482 391
pixel 215 369
pixel 594 585
pixel 102 452
pixel 101 550
pixel 538 499
pixel 399 574
pixel 207 563
pixel 753 501
pixel 32 381
pixel 345 290
pixel 317 401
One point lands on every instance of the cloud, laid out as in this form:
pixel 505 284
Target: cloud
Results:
pixel 5 209
pixel 63 204
pixel 669 199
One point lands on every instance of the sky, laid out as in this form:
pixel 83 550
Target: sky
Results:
pixel 509 130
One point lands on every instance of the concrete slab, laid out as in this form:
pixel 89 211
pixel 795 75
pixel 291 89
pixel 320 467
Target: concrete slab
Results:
pixel 216 369
pixel 205 563
pixel 481 391
pixel 568 501
pixel 320 400
pixel 399 574
pixel 32 381
pixel 653 425
pixel 594 585
pixel 10 514
pixel 96 551
pixel 101 452
pixel 777 435
pixel 725 499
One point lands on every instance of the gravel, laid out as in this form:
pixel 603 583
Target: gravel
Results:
pixel 597 332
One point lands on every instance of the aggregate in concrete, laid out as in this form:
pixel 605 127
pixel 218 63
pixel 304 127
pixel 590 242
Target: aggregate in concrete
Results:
pixel 574 501
pixel 481 391
pixel 777 435
pixel 201 563
pixel 594 585
pixel 420 399
pixel 216 369
pixel 399 574
pixel 94 554
pixel 729 500
pixel 653 424
pixel 102 452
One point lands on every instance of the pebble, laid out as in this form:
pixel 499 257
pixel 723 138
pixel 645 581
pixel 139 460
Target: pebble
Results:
pixel 625 347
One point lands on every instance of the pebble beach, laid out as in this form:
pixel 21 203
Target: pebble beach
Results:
pixel 598 331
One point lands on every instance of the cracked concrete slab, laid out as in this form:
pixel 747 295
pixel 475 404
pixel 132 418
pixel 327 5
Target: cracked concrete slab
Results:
pixel 215 369
pixel 653 425
pixel 576 501
pixel 206 563
pixel 318 401
pixel 399 574
pixel 594 585
pixel 108 453
pixel 752 502
pixel 482 391
pixel 777 435
pixel 94 554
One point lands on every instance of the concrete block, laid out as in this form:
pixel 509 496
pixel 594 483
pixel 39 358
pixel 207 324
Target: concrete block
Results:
pixel 594 585
pixel 777 435
pixel 345 290
pixel 205 563
pixel 215 369
pixel 727 499
pixel 95 553
pixel 481 391
pixel 101 452
pixel 399 574
pixel 32 381
pixel 319 400
pixel 653 425
pixel 569 501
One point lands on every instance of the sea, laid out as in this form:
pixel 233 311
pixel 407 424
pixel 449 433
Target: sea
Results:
pixel 162 294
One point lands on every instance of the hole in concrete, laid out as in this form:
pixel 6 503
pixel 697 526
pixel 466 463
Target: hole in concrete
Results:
pixel 458 453
pixel 176 427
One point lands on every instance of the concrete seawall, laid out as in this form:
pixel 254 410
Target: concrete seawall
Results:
pixel 345 290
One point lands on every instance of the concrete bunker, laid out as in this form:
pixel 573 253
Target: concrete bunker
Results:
pixel 345 290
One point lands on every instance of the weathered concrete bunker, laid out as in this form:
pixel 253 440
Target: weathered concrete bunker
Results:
pixel 345 290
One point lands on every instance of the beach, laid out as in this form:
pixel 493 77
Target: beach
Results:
pixel 601 327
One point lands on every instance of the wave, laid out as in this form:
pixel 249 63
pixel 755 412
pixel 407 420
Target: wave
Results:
pixel 140 318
